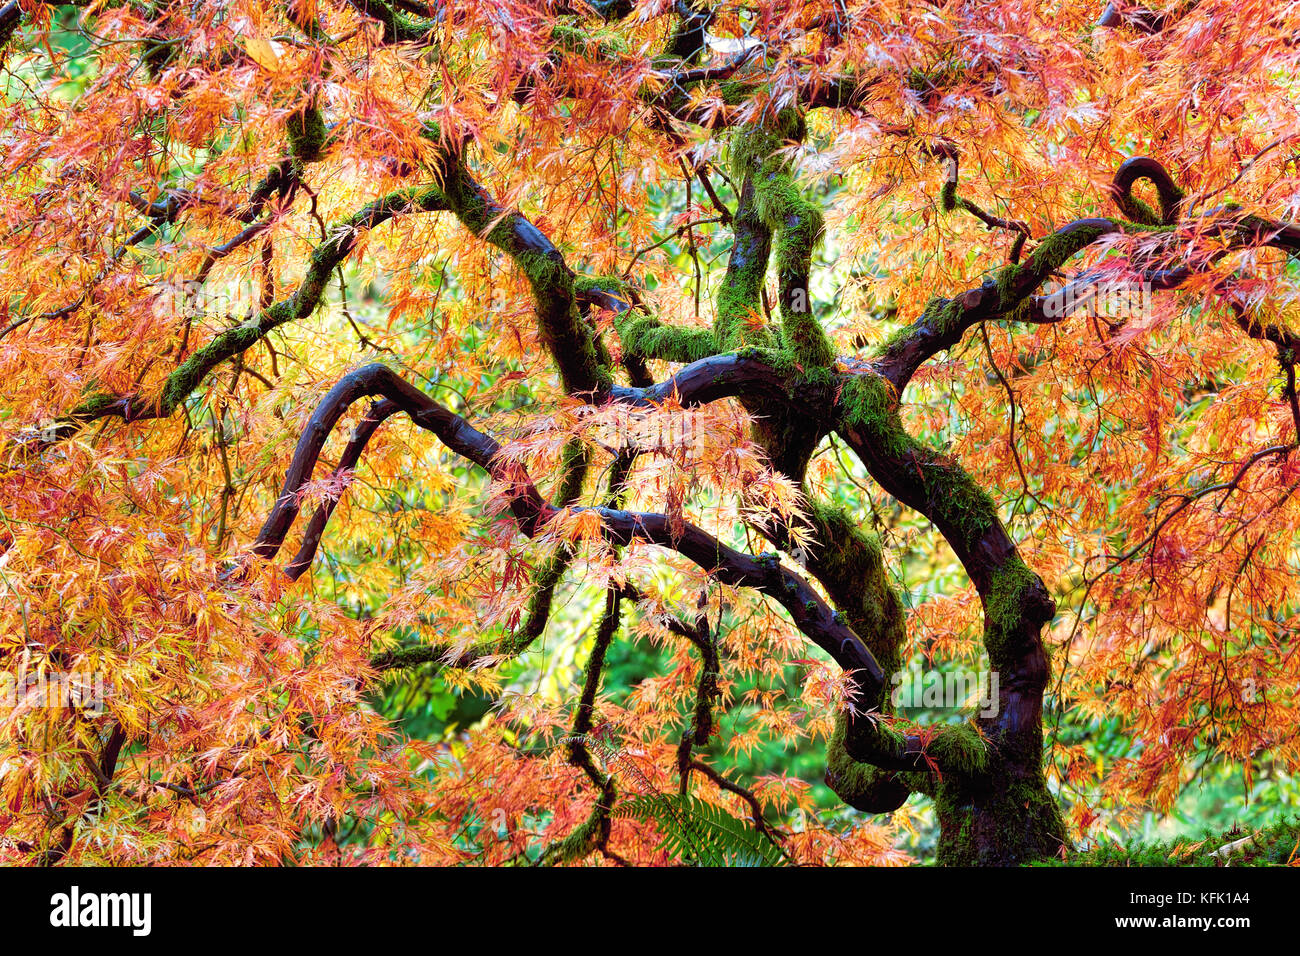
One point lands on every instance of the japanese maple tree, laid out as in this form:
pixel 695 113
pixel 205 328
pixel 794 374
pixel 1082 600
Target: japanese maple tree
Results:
pixel 533 329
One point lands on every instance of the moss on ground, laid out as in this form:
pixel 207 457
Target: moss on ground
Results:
pixel 1274 845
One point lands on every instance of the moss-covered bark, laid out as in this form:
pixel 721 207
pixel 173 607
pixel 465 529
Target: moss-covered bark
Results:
pixel 307 134
pixel 848 563
pixel 738 314
pixel 986 776
pixel 774 216
pixel 1001 818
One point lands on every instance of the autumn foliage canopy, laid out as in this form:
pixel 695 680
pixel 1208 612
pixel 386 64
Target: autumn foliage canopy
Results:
pixel 448 431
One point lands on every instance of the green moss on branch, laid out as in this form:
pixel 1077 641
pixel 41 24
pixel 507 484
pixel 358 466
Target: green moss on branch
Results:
pixel 861 785
pixel 307 134
pixel 1004 605
pixel 648 338
pixel 797 225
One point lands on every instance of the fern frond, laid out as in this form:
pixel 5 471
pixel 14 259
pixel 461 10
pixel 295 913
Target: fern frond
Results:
pixel 700 833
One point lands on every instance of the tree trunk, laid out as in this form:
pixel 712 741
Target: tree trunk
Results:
pixel 990 794
pixel 1005 819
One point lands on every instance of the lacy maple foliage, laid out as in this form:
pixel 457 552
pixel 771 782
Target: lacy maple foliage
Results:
pixel 469 304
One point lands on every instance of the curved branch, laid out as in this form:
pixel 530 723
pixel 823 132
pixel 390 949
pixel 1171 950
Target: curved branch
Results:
pixel 11 15
pixel 567 337
pixel 1144 167
pixel 379 412
pixel 945 321
pixel 1122 13
pixel 947 151
pixel 531 512
pixel 750 373
pixel 1010 293
pixel 1016 603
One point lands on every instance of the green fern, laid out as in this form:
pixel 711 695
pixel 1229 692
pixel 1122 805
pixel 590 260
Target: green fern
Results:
pixel 701 834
